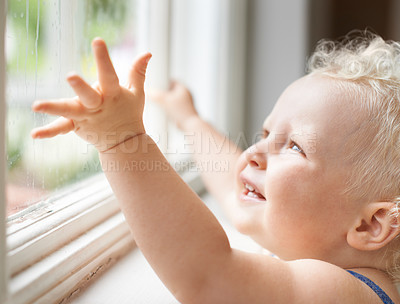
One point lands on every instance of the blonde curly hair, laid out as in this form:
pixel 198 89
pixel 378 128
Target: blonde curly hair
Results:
pixel 370 69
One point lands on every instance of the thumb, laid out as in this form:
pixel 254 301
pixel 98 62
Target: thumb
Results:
pixel 137 73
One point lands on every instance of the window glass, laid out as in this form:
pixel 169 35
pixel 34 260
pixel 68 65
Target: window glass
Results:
pixel 45 39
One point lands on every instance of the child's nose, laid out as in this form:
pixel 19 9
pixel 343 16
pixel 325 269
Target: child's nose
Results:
pixel 256 155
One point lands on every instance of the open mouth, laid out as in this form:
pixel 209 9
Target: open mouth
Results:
pixel 251 192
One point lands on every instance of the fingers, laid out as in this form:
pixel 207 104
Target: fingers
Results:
pixel 137 74
pixel 70 108
pixel 88 96
pixel 59 126
pixel 179 88
pixel 108 79
pixel 176 91
pixel 156 95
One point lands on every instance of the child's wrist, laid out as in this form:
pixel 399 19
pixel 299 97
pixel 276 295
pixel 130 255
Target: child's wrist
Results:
pixel 105 140
pixel 191 123
pixel 121 144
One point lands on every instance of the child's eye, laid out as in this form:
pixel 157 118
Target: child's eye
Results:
pixel 296 147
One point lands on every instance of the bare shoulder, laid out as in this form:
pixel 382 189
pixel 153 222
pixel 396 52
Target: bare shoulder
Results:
pixel 322 282
pixel 256 278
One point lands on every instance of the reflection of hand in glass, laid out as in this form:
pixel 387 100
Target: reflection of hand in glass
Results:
pixel 105 114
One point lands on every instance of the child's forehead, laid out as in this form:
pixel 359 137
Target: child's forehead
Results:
pixel 316 103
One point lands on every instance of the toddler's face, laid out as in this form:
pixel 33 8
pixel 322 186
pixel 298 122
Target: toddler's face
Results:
pixel 290 185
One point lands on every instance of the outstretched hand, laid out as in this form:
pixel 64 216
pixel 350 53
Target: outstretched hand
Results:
pixel 105 114
pixel 177 102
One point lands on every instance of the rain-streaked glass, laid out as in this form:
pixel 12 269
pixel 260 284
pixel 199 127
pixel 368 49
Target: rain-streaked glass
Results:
pixel 46 39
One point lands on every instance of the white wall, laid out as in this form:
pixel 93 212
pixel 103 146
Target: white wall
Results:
pixel 276 55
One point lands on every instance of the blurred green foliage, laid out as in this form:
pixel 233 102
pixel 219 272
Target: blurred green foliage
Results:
pixel 18 123
pixel 17 13
pixel 104 18
pixel 111 10
pixel 27 54
pixel 22 17
pixel 51 163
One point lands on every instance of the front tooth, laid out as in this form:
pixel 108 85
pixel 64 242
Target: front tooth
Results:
pixel 250 188
pixel 252 194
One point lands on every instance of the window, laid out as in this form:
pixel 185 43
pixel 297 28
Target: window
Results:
pixel 3 250
pixel 61 240
pixel 45 39
pixel 48 210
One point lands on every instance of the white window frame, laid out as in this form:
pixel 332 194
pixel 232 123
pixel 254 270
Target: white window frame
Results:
pixel 71 236
pixel 66 238
pixel 3 250
pixel 232 69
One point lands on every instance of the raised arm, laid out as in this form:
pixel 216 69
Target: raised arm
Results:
pixel 210 147
pixel 170 224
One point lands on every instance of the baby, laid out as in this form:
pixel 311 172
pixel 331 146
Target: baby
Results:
pixel 320 190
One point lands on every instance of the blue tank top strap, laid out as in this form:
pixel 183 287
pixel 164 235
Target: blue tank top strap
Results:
pixel 384 297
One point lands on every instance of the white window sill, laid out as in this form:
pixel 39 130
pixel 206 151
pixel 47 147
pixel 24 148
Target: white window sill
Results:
pixel 61 244
pixel 132 280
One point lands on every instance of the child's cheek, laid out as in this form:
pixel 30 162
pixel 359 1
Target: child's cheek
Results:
pixel 291 186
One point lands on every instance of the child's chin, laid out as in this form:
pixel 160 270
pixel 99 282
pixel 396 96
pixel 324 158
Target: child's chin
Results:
pixel 245 224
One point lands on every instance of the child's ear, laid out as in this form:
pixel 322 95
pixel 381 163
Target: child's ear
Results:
pixel 374 228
